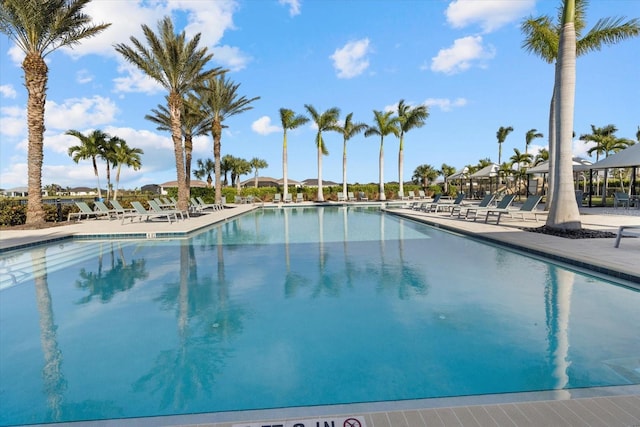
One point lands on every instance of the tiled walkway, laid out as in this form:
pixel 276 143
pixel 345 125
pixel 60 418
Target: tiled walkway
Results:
pixel 611 406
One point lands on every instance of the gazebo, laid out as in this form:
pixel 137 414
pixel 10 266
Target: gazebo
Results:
pixel 627 158
pixel 579 165
pixel 487 173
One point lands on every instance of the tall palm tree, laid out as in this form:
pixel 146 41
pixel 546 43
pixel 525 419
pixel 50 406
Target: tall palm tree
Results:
pixel 127 156
pixel 327 121
pixel 385 124
pixel 225 167
pixel 408 118
pixel 257 164
pixel 348 130
pixel 446 171
pixel 177 64
pixel 193 124
pixel 290 121
pixel 204 170
pixel 90 147
pixel 107 153
pixel 38 28
pixel 425 174
pixel 502 134
pixel 529 137
pixel 522 160
pixel 606 142
pixel 542 37
pixel 219 98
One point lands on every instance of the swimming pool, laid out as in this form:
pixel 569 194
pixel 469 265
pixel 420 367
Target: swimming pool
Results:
pixel 296 307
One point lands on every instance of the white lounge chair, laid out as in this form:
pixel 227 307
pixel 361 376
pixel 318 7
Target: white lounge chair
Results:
pixel 528 208
pixel 299 198
pixel 502 204
pixel 141 212
pixel 626 229
pixel 85 211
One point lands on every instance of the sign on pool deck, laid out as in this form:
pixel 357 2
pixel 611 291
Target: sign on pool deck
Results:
pixel 316 422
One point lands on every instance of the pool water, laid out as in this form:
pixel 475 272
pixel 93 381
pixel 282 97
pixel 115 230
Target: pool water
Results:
pixel 297 307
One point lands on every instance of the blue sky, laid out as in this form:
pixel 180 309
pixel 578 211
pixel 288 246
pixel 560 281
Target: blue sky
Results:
pixel 462 58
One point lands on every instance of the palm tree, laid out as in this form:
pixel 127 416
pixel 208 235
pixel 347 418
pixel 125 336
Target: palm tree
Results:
pixel 606 142
pixel 90 148
pixel 177 64
pixel 408 118
pixel 542 156
pixel 502 134
pixel 257 164
pixel 520 159
pixel 425 174
pixel 39 28
pixel 327 121
pixel 446 171
pixel 127 156
pixel 290 121
pixel 193 124
pixel 204 170
pixel 239 167
pixel 219 98
pixel 385 124
pixel 348 130
pixel 542 37
pixel 529 137
pixel 225 167
pixel 107 153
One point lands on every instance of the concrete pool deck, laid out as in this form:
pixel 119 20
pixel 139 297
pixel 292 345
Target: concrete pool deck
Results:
pixel 604 406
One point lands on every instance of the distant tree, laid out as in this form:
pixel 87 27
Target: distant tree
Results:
pixel 348 130
pixel 502 134
pixel 290 121
pixel 446 171
pixel 90 148
pixel 408 118
pixel 384 124
pixel 204 169
pixel 529 137
pixel 225 167
pixel 125 156
pixel 38 28
pixel 424 174
pixel 257 164
pixel 326 121
pixel 521 160
pixel 219 98
pixel 178 65
pixel 542 156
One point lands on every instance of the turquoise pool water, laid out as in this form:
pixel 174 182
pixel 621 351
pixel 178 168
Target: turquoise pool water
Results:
pixel 297 307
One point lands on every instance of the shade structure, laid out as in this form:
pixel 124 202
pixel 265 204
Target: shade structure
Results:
pixel 489 171
pixel 461 174
pixel 627 158
pixel 579 164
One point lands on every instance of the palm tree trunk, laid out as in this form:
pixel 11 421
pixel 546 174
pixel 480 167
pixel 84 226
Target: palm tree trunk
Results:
pixel 175 104
pixel 188 149
pixel 115 193
pixel 381 196
pixel 401 165
pixel 320 196
pixel 216 131
pixel 284 165
pixel 35 77
pixel 344 169
pixel 564 213
pixel 552 147
pixel 95 171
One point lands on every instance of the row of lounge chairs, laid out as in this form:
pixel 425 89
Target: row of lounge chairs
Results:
pixel 485 208
pixel 288 198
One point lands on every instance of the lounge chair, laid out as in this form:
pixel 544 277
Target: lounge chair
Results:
pixel 620 198
pixel 362 197
pixel 155 207
pixel 629 229
pixel 341 197
pixel 484 203
pixel 444 206
pixel 299 198
pixel 199 205
pixel 119 209
pixel 277 198
pixel 401 196
pixel 528 208
pixel 351 197
pixel 411 195
pixel 502 204
pixel 141 212
pixel 421 195
pixel 111 213
pixel 287 198
pixel 85 211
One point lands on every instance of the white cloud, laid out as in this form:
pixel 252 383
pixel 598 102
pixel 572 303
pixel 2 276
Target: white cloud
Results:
pixel 79 113
pixel 135 80
pixel 230 58
pixel 445 104
pixel 83 76
pixel 8 91
pixel 294 6
pixel 489 14
pixel 263 126
pixel 464 53
pixel 351 60
pixel 13 121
